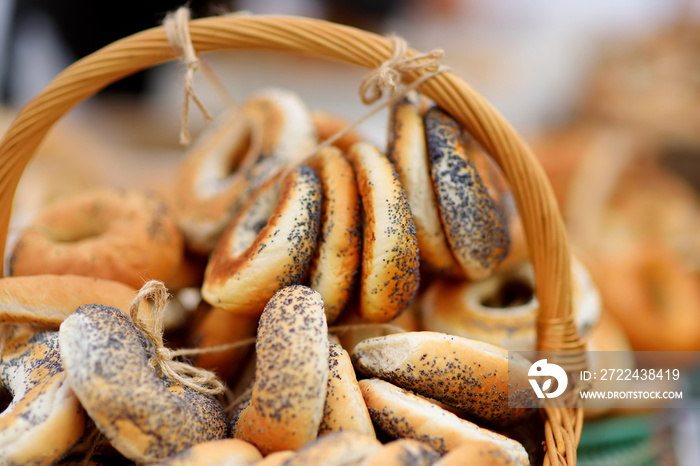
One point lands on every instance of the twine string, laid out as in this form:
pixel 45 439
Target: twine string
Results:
pixel 389 76
pixel 193 377
pixel 177 29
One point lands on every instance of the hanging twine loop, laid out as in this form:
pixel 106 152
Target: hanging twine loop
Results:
pixel 163 361
pixel 177 29
pixel 389 75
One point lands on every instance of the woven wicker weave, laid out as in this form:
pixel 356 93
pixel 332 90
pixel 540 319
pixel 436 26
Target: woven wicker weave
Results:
pixel 543 225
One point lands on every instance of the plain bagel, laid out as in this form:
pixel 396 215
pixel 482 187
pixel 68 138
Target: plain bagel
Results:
pixel 121 235
pixel 242 149
pixel 45 418
pixel 474 225
pixel 389 273
pixel 502 309
pixel 268 246
pixel 146 417
pixel 224 452
pixel 291 374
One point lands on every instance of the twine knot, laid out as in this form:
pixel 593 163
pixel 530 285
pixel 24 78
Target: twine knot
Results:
pixel 163 359
pixel 177 29
pixel 390 73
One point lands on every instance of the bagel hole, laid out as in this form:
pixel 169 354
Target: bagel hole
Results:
pixel 513 292
pixel 238 152
pixel 78 234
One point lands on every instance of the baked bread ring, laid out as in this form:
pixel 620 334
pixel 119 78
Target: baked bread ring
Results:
pixel 146 417
pixel 46 300
pixel 328 124
pixel 470 375
pixel 245 146
pixel 390 273
pixel 408 151
pixel 219 327
pixel 654 299
pixel 230 451
pixel 44 419
pixel 250 263
pixel 291 373
pixel 502 309
pixel 475 228
pixel 335 264
pixel 401 414
pixel 345 408
pixel 477 452
pixel 402 452
pixel 126 236
pixel 278 458
pixel 336 449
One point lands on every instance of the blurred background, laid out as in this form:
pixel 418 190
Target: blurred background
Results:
pixel 607 93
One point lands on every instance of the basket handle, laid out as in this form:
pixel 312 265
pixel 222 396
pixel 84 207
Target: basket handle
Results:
pixel 543 224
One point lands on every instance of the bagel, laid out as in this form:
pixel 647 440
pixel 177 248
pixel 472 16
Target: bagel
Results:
pixel 389 273
pixel 220 327
pixel 336 449
pixel 652 297
pixel 477 452
pixel 345 408
pixel 402 452
pixel 241 150
pixel 335 264
pixel 467 374
pixel 499 190
pixel 407 150
pixel 46 300
pixel 291 374
pixel 402 414
pixel 44 419
pixel 328 124
pixel 474 225
pixel 250 263
pixel 126 236
pixel 502 309
pixel 224 452
pixel 146 417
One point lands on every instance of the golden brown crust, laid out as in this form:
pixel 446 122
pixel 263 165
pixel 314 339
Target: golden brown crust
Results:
pixel 47 300
pixel 224 452
pixel 402 452
pixel 45 418
pixel 221 327
pixel 244 148
pixel 336 449
pixel 390 273
pixel 345 408
pixel 250 264
pixel 328 124
pixel 335 264
pixel 146 417
pixel 474 226
pixel 478 452
pixel 291 373
pixel 402 414
pixel 651 295
pixel 408 151
pixel 467 374
pixel 126 236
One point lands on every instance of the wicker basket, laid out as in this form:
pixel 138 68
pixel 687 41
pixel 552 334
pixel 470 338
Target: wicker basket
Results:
pixel 543 224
